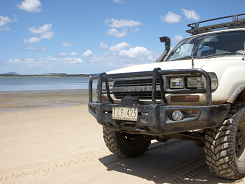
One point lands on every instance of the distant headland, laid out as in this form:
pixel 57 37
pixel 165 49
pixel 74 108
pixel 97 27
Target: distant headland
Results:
pixel 14 74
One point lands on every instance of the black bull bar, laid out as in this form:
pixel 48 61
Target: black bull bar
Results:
pixel 157 121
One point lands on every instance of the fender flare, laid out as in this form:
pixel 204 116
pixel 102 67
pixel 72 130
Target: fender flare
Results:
pixel 235 94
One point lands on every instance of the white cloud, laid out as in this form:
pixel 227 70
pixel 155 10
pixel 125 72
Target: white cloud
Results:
pixel 178 38
pixel 47 35
pixel 107 57
pixel 117 1
pixel 190 14
pixel 30 5
pixel 76 60
pixel 62 54
pixel 117 34
pixel 45 62
pixel 73 54
pixel 107 61
pixel 38 49
pixel 32 40
pixel 103 46
pixel 12 61
pixel 119 46
pixel 136 52
pixel 67 44
pixel 135 30
pixel 42 29
pixel 87 53
pixel 4 20
pixel 171 18
pixel 122 23
pixel 124 58
pixel 6 28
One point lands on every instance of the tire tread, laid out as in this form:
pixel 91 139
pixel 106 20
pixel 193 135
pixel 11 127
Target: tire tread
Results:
pixel 115 143
pixel 219 142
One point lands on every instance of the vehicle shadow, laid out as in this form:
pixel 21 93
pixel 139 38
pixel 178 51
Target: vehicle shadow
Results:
pixel 184 163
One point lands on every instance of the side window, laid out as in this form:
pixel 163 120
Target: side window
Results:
pixel 204 51
pixel 200 51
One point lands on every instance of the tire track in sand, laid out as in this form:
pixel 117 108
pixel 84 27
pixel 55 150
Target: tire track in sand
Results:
pixel 154 147
pixel 49 167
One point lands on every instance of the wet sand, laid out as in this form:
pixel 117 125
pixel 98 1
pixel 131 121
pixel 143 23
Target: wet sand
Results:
pixel 51 138
pixel 16 100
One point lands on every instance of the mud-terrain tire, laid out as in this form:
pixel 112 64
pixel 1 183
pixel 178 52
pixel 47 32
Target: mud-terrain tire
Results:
pixel 225 145
pixel 125 145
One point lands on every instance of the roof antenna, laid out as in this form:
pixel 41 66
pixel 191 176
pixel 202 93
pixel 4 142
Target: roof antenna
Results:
pixel 192 60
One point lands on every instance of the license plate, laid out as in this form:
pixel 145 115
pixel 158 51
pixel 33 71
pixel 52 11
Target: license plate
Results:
pixel 125 113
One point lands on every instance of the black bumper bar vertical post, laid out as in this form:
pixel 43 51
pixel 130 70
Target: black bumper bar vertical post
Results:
pixel 108 90
pixel 154 81
pixel 100 87
pixel 90 89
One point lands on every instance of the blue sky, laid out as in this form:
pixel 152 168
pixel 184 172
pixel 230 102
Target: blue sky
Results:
pixel 93 36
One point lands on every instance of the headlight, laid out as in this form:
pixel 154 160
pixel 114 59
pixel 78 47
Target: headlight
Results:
pixel 104 86
pixel 194 82
pixel 177 82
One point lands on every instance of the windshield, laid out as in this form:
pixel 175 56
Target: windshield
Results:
pixel 209 45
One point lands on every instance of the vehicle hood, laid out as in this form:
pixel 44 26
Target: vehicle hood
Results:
pixel 180 64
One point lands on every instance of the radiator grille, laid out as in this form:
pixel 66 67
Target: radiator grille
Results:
pixel 140 87
pixel 134 82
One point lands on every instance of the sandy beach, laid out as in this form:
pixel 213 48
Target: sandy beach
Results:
pixel 16 100
pixel 50 137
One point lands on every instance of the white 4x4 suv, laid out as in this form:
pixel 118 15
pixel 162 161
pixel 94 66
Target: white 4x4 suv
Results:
pixel 195 92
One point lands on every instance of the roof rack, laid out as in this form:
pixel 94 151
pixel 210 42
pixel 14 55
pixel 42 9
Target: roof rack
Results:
pixel 236 23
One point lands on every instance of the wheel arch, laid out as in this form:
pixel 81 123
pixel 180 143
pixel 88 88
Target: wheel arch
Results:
pixel 237 95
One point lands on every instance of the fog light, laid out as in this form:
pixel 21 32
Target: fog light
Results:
pixel 177 115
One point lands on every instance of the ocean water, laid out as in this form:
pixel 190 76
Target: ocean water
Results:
pixel 42 83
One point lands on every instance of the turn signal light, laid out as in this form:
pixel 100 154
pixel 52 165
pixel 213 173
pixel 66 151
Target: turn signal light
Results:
pixel 185 98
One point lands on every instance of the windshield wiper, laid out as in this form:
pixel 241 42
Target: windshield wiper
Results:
pixel 221 54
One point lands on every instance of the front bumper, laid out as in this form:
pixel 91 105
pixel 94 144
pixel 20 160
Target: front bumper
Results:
pixel 156 119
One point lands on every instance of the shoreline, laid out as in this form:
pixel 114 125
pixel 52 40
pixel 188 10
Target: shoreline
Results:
pixel 18 100
pixel 49 75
